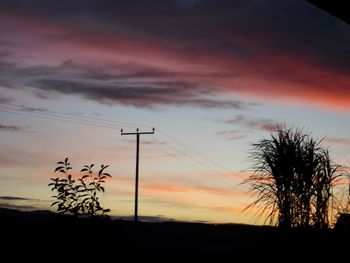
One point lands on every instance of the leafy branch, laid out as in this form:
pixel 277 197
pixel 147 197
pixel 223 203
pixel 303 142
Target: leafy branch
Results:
pixel 79 197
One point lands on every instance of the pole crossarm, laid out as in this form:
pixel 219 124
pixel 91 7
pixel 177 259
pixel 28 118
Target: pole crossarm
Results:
pixel 137 133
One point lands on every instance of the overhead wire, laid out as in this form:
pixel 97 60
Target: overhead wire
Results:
pixel 186 149
pixel 193 151
pixel 191 165
pixel 198 162
pixel 202 164
pixel 60 115
pixel 42 116
pixel 112 124
pixel 64 117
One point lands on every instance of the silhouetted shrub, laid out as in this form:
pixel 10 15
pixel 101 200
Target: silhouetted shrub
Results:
pixel 79 197
pixel 293 178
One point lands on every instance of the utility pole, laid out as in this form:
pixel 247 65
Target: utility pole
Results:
pixel 137 133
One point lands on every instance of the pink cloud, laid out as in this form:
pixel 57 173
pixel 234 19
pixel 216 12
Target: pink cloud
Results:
pixel 249 64
pixel 340 141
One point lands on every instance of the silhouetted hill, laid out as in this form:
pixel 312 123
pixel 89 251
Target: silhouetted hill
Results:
pixel 31 236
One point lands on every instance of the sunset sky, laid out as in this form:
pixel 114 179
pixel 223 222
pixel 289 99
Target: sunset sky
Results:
pixel 211 76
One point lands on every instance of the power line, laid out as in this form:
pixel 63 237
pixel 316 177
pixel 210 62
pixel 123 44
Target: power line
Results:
pixel 198 153
pixel 69 120
pixel 125 124
pixel 52 115
pixel 200 163
pixel 112 124
pixel 195 160
pixel 69 116
pixel 198 168
pixel 189 164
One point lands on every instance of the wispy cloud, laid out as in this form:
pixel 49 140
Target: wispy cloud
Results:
pixel 10 128
pixel 147 90
pixel 20 203
pixel 253 123
pixel 20 207
pixel 232 135
pixel 33 109
pixel 16 198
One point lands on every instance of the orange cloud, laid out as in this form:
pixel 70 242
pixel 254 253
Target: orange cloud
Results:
pixel 166 188
pixel 193 189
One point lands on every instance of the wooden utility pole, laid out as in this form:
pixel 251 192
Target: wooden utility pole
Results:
pixel 137 133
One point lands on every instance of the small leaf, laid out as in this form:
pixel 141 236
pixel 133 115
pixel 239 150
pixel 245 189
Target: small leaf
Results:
pixel 58 168
pixel 60 163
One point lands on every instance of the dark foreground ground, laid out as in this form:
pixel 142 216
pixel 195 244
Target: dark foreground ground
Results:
pixel 44 236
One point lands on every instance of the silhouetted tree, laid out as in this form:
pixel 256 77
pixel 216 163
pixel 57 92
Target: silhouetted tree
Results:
pixel 293 177
pixel 79 197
